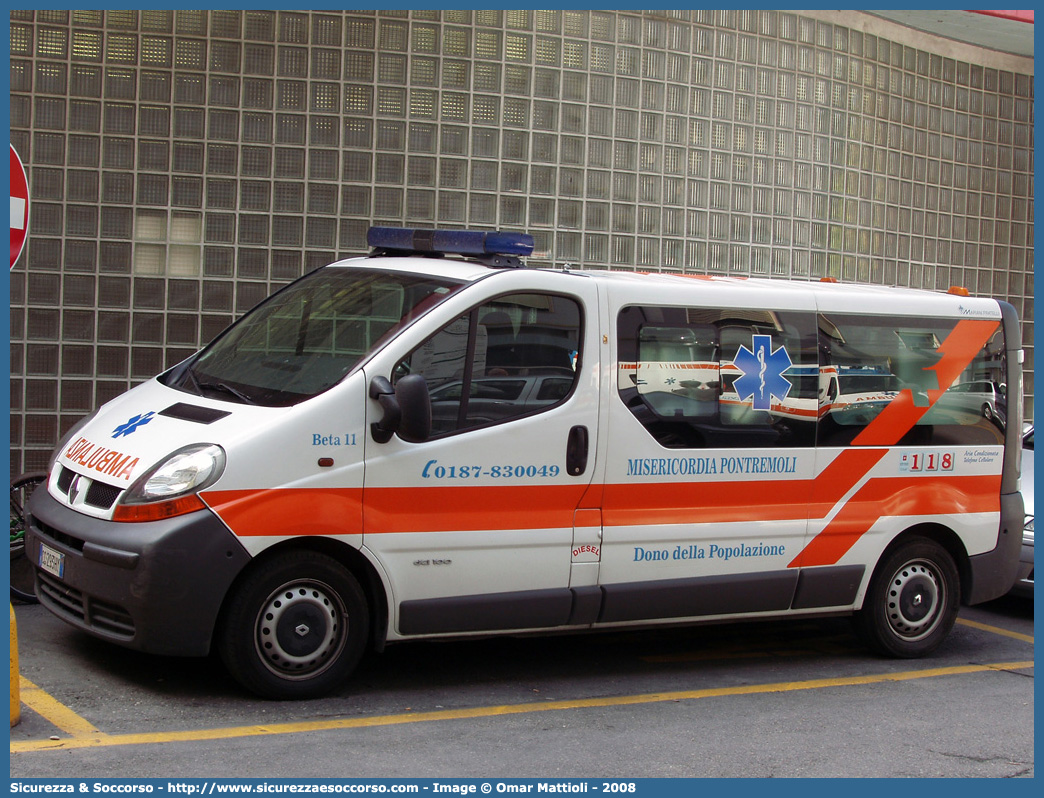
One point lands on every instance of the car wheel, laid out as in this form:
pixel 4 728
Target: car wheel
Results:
pixel 912 601
pixel 295 627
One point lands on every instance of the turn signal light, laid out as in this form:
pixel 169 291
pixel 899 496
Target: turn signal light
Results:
pixel 157 511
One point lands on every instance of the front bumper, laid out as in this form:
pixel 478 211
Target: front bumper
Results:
pixel 155 587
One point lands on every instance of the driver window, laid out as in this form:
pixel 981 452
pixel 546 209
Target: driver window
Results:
pixel 514 356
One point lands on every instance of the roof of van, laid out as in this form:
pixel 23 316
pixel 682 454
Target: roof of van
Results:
pixel 633 286
pixel 783 293
pixel 473 253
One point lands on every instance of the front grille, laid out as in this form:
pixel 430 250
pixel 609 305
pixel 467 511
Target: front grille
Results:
pixel 99 494
pixel 68 602
pixel 48 531
pixel 65 478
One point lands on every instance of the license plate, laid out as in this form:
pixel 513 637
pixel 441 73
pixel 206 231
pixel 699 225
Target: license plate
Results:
pixel 52 561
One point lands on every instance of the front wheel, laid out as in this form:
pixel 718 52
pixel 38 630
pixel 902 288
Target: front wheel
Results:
pixel 912 601
pixel 295 627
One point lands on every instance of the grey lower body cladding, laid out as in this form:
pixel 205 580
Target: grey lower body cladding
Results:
pixel 771 591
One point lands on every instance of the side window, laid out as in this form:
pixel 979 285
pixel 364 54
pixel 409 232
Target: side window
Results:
pixel 868 361
pixel 513 356
pixel 708 377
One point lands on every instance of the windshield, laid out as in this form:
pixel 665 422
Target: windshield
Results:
pixel 307 337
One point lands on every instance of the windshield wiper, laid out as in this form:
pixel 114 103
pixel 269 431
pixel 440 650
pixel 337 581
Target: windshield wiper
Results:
pixel 220 386
pixel 189 374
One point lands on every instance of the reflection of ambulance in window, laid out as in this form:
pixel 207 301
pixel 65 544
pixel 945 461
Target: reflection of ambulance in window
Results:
pixel 433 442
pixel 855 395
pixel 677 370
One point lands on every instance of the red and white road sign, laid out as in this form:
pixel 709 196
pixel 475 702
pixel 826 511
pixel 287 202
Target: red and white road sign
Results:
pixel 19 207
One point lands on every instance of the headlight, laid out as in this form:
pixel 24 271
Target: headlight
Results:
pixel 171 488
pixel 188 470
pixel 1027 530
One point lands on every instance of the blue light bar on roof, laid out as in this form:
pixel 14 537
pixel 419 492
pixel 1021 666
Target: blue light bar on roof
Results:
pixel 460 242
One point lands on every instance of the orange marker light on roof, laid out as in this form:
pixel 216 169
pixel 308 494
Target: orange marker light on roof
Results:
pixel 958 290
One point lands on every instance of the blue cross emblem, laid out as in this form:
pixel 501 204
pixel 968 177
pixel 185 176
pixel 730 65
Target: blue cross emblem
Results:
pixel 132 424
pixel 762 372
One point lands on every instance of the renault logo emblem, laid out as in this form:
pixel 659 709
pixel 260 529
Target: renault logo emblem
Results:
pixel 77 489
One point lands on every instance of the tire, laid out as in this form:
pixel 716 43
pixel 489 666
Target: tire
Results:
pixel 295 627
pixel 23 575
pixel 912 601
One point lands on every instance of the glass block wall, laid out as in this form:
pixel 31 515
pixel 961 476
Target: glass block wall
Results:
pixel 183 164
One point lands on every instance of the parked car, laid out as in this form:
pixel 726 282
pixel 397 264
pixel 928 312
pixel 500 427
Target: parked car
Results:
pixel 1024 582
pixel 497 398
pixel 980 397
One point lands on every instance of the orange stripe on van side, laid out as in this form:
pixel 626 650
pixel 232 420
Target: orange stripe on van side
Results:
pixel 896 497
pixel 838 478
pixel 704 502
pixel 458 508
pixel 319 511
pixel 440 509
pixel 289 511
pixel 329 511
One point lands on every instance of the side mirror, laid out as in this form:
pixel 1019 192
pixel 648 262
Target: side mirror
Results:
pixel 415 403
pixel 407 409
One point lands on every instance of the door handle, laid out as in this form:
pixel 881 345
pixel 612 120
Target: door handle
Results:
pixel 576 451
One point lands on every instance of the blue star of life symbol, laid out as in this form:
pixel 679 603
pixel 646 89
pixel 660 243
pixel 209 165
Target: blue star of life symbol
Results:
pixel 762 372
pixel 132 424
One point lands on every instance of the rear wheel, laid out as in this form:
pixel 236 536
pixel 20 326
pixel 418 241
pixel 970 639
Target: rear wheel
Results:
pixel 912 601
pixel 295 627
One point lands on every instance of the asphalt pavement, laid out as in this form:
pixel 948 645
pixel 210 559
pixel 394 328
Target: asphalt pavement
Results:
pixel 798 698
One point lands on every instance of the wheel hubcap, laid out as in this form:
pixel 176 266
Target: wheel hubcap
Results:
pixel 301 629
pixel 914 600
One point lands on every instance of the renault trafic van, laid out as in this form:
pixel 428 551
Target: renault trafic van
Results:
pixel 607 450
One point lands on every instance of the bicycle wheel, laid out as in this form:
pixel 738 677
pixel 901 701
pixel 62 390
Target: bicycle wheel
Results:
pixel 23 576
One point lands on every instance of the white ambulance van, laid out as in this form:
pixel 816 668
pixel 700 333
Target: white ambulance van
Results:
pixel 434 441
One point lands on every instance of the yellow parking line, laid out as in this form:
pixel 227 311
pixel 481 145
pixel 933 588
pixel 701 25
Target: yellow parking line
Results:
pixel 996 630
pixel 56 713
pixel 84 740
pixel 737 651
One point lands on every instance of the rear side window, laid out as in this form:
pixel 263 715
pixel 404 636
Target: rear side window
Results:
pixel 511 357
pixel 708 377
pixel 867 361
